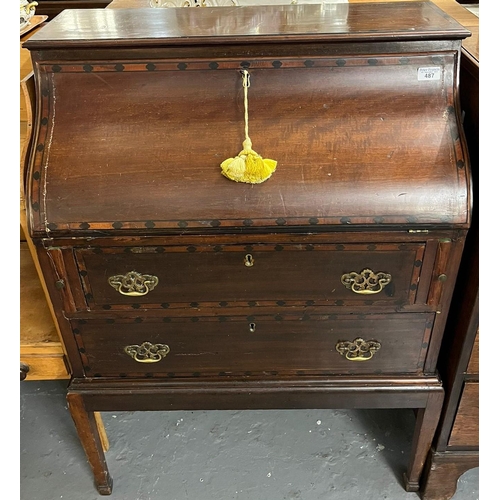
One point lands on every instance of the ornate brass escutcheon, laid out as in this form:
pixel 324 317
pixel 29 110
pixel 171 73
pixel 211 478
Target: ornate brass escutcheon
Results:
pixel 366 282
pixel 147 352
pixel 133 284
pixel 249 260
pixel 358 349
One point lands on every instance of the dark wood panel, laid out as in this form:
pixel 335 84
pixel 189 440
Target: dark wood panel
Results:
pixel 245 393
pixel 409 20
pixel 52 8
pixel 334 154
pixel 465 430
pixel 443 470
pixel 262 347
pixel 258 273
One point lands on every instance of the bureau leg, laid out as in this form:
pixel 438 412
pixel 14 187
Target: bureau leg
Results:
pixel 88 432
pixel 442 471
pixel 425 428
pixel 102 431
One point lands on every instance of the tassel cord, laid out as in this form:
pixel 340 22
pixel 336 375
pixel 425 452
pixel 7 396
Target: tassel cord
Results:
pixel 248 166
pixel 247 144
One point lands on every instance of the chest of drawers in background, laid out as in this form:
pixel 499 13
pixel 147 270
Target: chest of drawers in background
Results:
pixel 52 8
pixel 456 444
pixel 41 350
pixel 326 286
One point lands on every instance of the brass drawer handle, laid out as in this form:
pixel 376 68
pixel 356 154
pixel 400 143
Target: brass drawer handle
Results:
pixel 358 349
pixel 133 284
pixel 147 352
pixel 366 282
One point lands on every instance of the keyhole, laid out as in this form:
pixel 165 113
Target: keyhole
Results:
pixel 252 327
pixel 249 260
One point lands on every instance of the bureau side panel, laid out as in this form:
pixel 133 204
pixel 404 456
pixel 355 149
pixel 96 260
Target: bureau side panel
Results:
pixel 54 265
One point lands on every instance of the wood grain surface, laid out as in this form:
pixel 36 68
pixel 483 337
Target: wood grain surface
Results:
pixel 451 7
pixel 465 430
pixel 407 20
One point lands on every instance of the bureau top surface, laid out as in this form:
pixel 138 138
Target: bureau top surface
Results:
pixel 249 24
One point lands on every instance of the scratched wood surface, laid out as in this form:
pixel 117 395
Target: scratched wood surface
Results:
pixel 451 7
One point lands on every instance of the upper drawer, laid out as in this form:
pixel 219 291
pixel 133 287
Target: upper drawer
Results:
pixel 238 275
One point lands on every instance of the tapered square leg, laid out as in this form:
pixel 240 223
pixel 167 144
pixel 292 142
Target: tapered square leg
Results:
pixel 88 432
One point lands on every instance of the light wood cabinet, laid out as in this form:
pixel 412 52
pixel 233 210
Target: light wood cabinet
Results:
pixel 41 350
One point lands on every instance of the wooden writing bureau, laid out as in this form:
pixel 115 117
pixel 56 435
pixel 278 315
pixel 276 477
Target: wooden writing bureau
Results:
pixel 327 285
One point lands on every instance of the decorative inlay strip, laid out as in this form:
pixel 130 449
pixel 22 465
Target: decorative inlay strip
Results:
pixel 261 63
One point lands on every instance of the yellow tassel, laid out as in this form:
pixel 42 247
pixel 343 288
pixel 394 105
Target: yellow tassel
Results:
pixel 248 166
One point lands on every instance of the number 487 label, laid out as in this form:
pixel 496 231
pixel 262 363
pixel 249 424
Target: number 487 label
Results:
pixel 429 74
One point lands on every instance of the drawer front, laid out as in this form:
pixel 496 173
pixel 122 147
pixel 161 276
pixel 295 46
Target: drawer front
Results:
pixel 260 274
pixel 465 430
pixel 315 344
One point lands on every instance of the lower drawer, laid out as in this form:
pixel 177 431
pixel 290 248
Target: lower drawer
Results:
pixel 271 345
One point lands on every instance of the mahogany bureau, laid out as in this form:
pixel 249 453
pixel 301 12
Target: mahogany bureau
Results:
pixel 325 286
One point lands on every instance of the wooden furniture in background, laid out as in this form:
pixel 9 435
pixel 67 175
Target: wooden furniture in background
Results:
pixel 35 21
pixel 41 350
pixel 42 353
pixel 328 286
pixel 456 445
pixel 51 8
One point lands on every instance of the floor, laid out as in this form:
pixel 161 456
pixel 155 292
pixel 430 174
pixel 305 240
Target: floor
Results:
pixel 220 455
